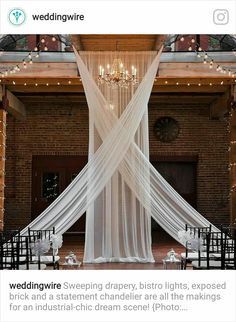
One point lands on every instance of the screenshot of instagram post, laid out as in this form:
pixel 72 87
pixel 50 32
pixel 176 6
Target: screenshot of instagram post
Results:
pixel 117 161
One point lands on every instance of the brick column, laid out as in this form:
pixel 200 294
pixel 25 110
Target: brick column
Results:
pixel 232 159
pixel 2 161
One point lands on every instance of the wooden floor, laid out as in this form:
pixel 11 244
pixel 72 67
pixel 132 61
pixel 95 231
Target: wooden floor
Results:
pixel 162 243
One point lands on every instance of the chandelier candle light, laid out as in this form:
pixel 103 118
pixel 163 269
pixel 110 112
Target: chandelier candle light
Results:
pixel 117 75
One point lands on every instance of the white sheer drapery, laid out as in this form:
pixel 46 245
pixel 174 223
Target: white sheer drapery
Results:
pixel 119 150
pixel 87 186
pixel 165 205
pixel 118 228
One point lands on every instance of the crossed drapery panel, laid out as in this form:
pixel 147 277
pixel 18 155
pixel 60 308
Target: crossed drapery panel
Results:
pixel 160 200
pixel 89 183
pixel 118 151
pixel 118 227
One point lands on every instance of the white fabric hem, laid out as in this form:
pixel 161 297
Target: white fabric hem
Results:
pixel 119 260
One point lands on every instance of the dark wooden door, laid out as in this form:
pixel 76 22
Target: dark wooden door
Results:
pixel 50 176
pixel 181 176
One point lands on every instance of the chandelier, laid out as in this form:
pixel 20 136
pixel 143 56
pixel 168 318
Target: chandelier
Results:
pixel 117 75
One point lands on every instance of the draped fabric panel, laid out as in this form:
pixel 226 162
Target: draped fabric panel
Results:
pixel 164 204
pixel 118 228
pixel 90 182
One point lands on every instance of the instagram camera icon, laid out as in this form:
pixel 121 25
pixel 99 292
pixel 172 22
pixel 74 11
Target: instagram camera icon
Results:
pixel 221 17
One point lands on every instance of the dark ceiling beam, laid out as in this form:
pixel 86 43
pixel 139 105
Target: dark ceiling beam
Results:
pixel 221 105
pixel 77 42
pixel 159 41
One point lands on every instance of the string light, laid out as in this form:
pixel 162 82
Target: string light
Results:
pixel 182 84
pixel 206 56
pixel 28 57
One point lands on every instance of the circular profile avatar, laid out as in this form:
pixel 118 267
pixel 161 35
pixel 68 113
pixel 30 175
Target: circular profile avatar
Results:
pixel 17 16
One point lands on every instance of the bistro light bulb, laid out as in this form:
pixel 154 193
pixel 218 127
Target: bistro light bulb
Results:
pixel 182 39
pixel 42 40
pixel 53 38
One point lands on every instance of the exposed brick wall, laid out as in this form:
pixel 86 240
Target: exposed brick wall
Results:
pixel 207 139
pixel 62 129
pixel 48 130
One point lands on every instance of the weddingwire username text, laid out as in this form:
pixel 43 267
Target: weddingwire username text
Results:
pixel 58 17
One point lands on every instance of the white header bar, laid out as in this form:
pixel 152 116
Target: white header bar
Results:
pixel 116 16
